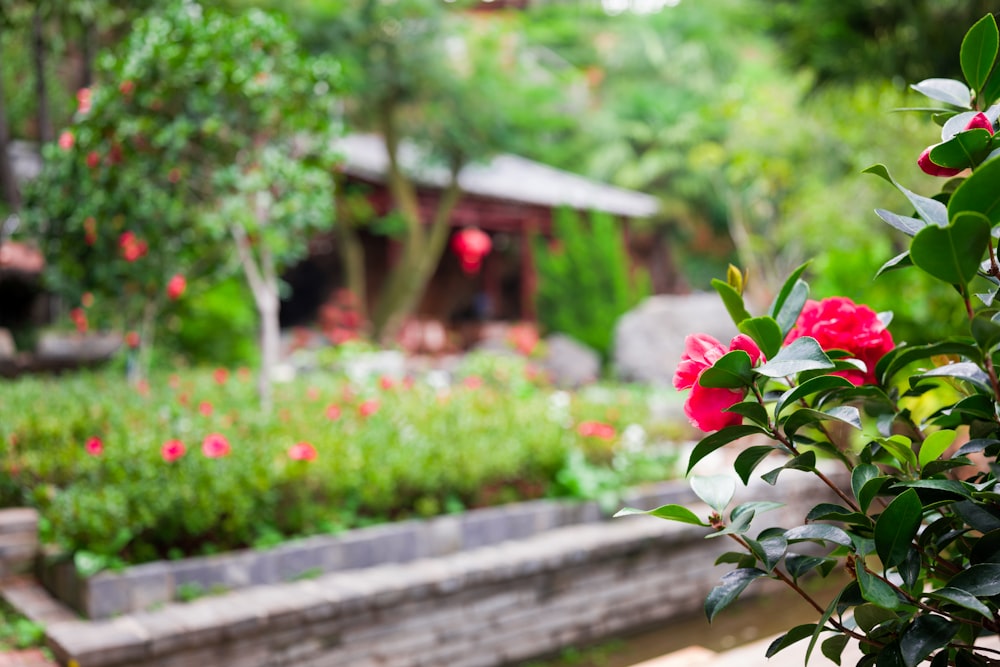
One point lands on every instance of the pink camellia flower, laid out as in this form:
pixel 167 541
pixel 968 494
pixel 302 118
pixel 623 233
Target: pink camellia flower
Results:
pixel 838 323
pixel 302 451
pixel 594 429
pixel 368 408
pixel 215 446
pixel 473 382
pixel 205 408
pixel 126 87
pixel 93 159
pixel 220 375
pixel 333 412
pixel 94 447
pixel 176 286
pixel 172 450
pixel 979 121
pixel 83 97
pixel 66 140
pixel 704 407
pixel 132 339
pixel 386 382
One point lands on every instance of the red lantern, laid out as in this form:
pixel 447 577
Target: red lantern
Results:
pixel 471 245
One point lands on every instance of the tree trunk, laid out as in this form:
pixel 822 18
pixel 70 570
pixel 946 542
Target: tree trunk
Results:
pixel 353 255
pixel 45 133
pixel 270 341
pixel 8 184
pixel 87 50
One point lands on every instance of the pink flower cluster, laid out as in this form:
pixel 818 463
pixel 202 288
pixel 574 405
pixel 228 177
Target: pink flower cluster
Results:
pixel 838 323
pixel 704 407
pixel 979 121
pixel 594 429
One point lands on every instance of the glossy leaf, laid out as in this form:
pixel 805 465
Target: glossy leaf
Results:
pixel 898 360
pixel 966 149
pixel 926 634
pixel 896 527
pixel 805 461
pixel 720 438
pixel 733 583
pixel 963 599
pixel 716 491
pixel 847 414
pixel 792 307
pixel 768 551
pixel 732 300
pixel 929 210
pixel 948 91
pixel 796 634
pixel 798 565
pixel 985 330
pixel 981 580
pixel 833 647
pixel 934 446
pixel 786 289
pixel 869 616
pixel 987 548
pixel 818 532
pixel 754 506
pixel 952 253
pixel 979 51
pixel 808 388
pixel 752 410
pixel 733 370
pixel 900 261
pixel 748 460
pixel 802 354
pixel 978 194
pixel 905 224
pixel 670 512
pixel 901 449
pixel 964 370
pixel 765 332
pixel 875 590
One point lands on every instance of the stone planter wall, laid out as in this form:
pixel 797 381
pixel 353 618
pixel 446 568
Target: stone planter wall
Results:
pixel 486 606
pixel 18 541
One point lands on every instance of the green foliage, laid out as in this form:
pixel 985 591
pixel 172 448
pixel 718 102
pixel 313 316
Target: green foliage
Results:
pixel 17 632
pixel 914 519
pixel 216 326
pixel 585 282
pixel 384 450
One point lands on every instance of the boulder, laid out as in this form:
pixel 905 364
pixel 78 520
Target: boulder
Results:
pixel 569 362
pixel 649 339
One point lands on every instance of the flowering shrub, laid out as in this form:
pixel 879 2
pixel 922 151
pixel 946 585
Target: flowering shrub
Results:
pixel 914 519
pixel 140 475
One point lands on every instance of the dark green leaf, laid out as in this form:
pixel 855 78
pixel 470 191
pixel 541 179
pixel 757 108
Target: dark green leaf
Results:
pixel 963 599
pixel 875 590
pixel 768 551
pixel 748 460
pixel 827 613
pixel 818 532
pixel 900 261
pixel 796 634
pixel 929 210
pixel 834 647
pixel 905 224
pixel 896 527
pixel 740 559
pixel 738 525
pixel 822 383
pixel 889 656
pixel 798 564
pixel 669 512
pixel 909 570
pixel 802 354
pixel 981 580
pixel 732 371
pixel 979 51
pixel 765 332
pixel 719 439
pixel 848 414
pixel 869 616
pixel 977 516
pixel 963 370
pixel 716 491
pixel 927 633
pixel 805 461
pixel 985 330
pixel 986 549
pixel 732 300
pixel 832 512
pixel 786 289
pixel 977 445
pixel 792 307
pixel 979 194
pixel 948 91
pixel 733 583
pixel 754 506
pixel 966 149
pixel 752 410
pixel 902 357
pixel 951 487
pixel 952 253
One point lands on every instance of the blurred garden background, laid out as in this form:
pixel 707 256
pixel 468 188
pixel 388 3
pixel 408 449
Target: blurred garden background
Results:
pixel 273 268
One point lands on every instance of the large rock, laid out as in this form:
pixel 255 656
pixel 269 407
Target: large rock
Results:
pixel 649 340
pixel 569 362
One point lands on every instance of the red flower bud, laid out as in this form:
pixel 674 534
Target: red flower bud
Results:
pixel 176 287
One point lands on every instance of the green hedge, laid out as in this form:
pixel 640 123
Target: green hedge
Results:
pixel 426 449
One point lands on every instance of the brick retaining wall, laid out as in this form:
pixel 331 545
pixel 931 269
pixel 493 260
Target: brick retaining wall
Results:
pixel 485 607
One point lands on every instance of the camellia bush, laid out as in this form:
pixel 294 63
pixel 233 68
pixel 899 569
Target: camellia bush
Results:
pixel 913 519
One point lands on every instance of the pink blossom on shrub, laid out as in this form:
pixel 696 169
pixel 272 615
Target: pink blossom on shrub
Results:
pixel 838 323
pixel 386 382
pixel 172 450
pixel 368 408
pixel 215 446
pixel 93 159
pixel 94 446
pixel 302 451
pixel 473 382
pixel 66 140
pixel 176 286
pixel 595 429
pixel 205 408
pixel 220 375
pixel 704 407
pixel 333 412
pixel 83 97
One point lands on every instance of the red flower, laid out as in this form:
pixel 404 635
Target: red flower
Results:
pixel 132 248
pixel 126 88
pixel 83 100
pixel 594 429
pixel 368 408
pixel 94 447
pixel 66 140
pixel 172 450
pixel 979 121
pixel 205 408
pixel 704 407
pixel 302 451
pixel 220 375
pixel 132 339
pixel 79 319
pixel 176 286
pixel 93 159
pixel 386 382
pixel 473 382
pixel 333 412
pixel 215 446
pixel 838 323
pixel 87 300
